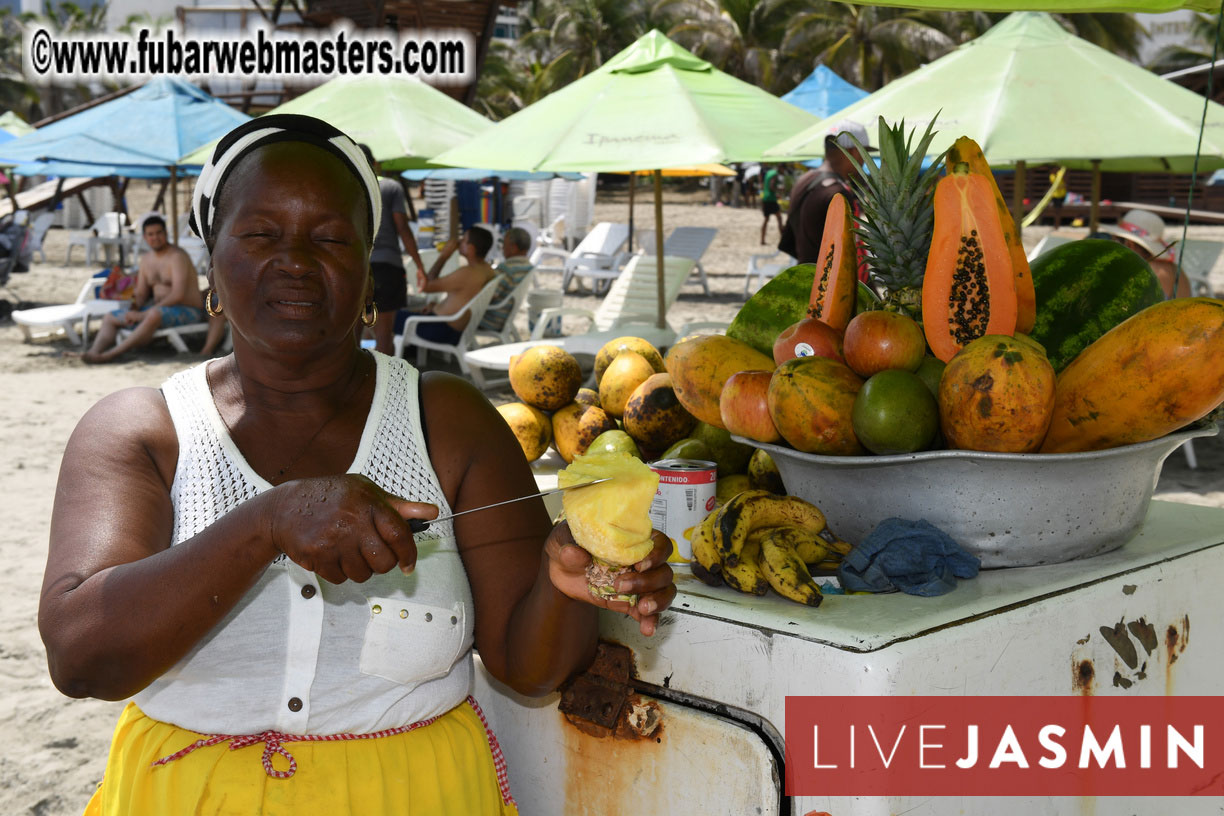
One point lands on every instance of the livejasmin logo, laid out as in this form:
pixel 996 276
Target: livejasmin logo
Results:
pixel 1004 746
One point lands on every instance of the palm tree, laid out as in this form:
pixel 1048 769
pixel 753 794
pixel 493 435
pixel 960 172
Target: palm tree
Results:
pixel 1203 33
pixel 870 46
pixel 740 37
pixel 15 93
pixel 1120 34
pixel 66 18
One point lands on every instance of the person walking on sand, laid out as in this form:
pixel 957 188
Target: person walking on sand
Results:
pixel 167 294
pixel 386 261
pixel 812 193
pixel 771 189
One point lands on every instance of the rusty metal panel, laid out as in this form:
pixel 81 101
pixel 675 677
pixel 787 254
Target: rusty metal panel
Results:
pixel 662 758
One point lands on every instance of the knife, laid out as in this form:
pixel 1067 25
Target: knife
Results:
pixel 420 525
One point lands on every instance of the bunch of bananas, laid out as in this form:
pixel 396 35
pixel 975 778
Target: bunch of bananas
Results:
pixel 758 540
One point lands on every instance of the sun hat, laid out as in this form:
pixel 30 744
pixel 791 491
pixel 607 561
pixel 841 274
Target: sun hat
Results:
pixel 1147 229
pixel 847 131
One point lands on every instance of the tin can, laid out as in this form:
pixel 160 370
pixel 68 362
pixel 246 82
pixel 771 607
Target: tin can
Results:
pixel 685 496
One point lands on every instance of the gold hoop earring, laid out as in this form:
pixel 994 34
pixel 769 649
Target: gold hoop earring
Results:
pixel 369 315
pixel 213 311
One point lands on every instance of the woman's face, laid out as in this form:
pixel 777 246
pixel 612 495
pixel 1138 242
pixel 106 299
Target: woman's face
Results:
pixel 291 256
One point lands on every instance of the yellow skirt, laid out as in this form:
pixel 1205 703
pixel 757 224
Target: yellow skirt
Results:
pixel 447 767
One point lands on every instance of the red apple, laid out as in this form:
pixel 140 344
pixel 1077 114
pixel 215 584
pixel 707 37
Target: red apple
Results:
pixel 744 406
pixel 878 340
pixel 808 338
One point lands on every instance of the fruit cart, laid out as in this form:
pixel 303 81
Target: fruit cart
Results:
pixel 692 720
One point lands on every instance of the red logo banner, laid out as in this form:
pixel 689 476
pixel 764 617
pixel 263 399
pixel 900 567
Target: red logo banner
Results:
pixel 1004 746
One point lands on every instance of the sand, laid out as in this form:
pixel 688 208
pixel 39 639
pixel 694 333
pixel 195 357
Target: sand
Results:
pixel 53 749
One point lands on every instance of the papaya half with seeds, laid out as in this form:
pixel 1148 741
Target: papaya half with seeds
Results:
pixel 1155 372
pixel 997 394
pixel 835 287
pixel 968 290
pixel 966 150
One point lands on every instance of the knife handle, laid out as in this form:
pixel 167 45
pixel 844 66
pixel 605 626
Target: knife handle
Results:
pixel 417 525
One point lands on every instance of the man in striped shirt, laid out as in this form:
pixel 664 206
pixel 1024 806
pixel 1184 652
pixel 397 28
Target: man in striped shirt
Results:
pixel 515 245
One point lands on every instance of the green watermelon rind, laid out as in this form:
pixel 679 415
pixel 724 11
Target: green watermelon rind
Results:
pixel 1084 289
pixel 779 303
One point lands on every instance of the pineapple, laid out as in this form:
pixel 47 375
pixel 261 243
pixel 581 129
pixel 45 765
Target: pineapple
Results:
pixel 611 521
pixel 896 197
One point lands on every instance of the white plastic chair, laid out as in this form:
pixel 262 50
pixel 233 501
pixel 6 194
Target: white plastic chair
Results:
pixel 599 256
pixel 52 321
pixel 550 243
pixel 686 242
pixel 475 308
pixel 764 266
pixel 106 231
pixel 38 231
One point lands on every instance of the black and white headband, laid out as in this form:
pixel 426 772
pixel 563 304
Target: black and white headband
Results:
pixel 280 127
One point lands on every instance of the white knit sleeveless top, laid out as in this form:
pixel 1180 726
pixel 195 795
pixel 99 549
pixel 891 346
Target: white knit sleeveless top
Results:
pixel 300 655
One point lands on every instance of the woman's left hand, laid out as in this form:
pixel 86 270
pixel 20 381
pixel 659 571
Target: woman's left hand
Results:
pixel 651 578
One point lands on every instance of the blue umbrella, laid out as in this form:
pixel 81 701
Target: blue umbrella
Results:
pixel 823 93
pixel 150 127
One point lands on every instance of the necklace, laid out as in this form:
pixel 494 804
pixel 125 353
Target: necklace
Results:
pixel 349 394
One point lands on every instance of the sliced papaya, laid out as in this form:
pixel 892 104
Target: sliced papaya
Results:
pixel 966 150
pixel 968 290
pixel 835 287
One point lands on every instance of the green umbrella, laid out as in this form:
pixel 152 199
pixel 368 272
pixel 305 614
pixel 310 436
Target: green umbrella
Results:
pixel 403 120
pixel 653 106
pixel 1028 90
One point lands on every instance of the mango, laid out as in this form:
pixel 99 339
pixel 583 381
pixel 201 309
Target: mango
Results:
pixel 622 377
pixel 576 426
pixel 531 427
pixel 546 377
pixel 654 417
pixel 702 365
pixel 613 348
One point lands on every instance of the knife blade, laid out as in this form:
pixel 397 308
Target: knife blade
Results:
pixel 420 525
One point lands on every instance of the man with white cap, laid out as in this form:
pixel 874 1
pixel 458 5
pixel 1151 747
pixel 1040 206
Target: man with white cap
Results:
pixel 812 193
pixel 1144 232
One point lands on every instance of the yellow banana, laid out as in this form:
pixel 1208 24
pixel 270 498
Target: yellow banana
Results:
pixel 706 564
pixel 827 564
pixel 754 509
pixel 786 572
pixel 746 576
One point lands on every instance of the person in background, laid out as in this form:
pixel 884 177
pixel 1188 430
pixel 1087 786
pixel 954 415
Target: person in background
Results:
pixel 1144 232
pixel 386 261
pixel 771 191
pixel 812 193
pixel 1060 196
pixel 167 294
pixel 240 564
pixel 459 286
pixel 516 243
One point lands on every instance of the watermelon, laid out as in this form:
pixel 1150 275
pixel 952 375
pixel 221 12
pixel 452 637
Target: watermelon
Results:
pixel 1084 289
pixel 779 303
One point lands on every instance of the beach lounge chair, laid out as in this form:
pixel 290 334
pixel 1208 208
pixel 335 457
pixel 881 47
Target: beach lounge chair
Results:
pixel 1198 256
pixel 475 307
pixel 765 265
pixel 63 319
pixel 550 243
pixel 629 308
pixel 1047 243
pixel 686 242
pixel 599 256
pixel 177 336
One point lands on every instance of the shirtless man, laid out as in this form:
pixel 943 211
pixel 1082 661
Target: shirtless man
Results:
pixel 459 286
pixel 167 294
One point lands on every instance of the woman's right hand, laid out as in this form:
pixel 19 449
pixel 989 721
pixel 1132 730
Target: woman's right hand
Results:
pixel 344 528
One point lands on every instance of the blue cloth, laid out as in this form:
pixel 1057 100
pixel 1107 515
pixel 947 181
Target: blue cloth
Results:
pixel 915 557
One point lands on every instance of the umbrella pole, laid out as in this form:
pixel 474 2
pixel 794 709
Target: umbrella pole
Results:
pixel 658 196
pixel 1094 214
pixel 632 184
pixel 174 204
pixel 1018 197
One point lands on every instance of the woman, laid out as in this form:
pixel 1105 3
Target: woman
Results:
pixel 229 559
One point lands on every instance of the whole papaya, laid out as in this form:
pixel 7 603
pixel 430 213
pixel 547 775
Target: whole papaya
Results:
pixel 811 401
pixel 996 394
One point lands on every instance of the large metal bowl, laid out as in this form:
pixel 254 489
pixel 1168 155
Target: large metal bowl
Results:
pixel 1009 509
